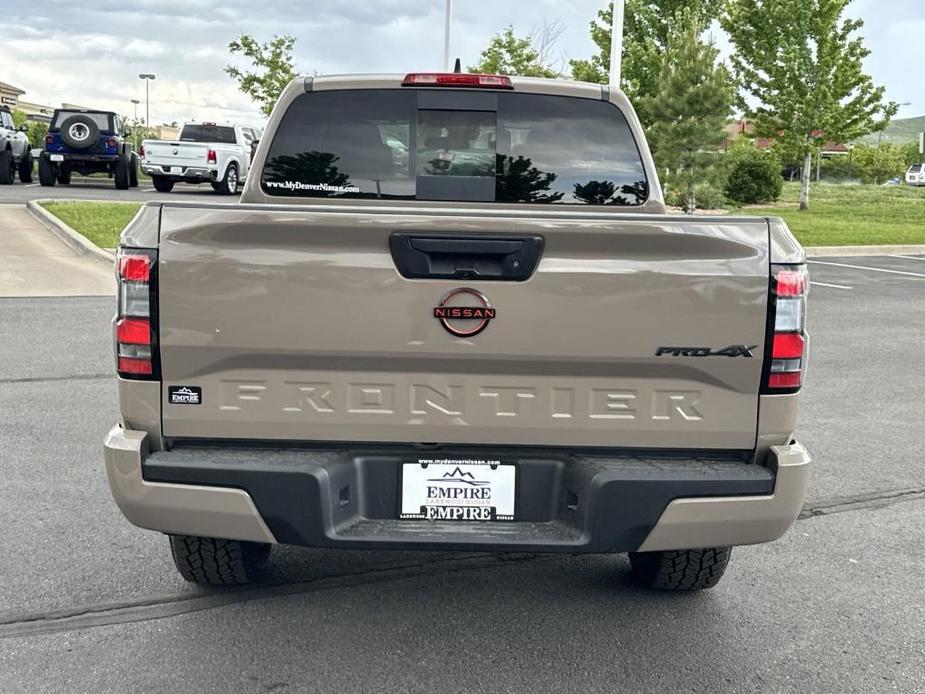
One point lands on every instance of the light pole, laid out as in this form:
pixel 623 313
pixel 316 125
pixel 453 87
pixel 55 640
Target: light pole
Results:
pixel 446 35
pixel 135 103
pixel 147 77
pixel 616 42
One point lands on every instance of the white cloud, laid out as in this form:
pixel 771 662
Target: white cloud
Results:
pixel 91 51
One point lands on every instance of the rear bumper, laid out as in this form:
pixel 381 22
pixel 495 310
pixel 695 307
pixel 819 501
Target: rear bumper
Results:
pixel 181 173
pixel 78 158
pixel 348 498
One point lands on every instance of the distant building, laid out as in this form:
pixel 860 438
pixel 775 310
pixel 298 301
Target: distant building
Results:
pixel 10 96
pixel 742 128
pixel 164 132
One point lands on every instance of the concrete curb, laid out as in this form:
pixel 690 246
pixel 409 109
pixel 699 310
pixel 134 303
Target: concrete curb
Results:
pixel 833 251
pixel 77 241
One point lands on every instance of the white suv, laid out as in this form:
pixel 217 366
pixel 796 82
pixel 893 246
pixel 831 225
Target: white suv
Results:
pixel 915 175
pixel 15 154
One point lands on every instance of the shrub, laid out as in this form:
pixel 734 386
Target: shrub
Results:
pixel 754 176
pixel 706 196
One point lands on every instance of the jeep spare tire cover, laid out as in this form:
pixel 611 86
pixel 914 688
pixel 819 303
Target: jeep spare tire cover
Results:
pixel 79 132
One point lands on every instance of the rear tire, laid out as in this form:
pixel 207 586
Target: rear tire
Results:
pixel 7 168
pixel 25 167
pixel 229 184
pixel 162 184
pixel 133 171
pixel 46 171
pixel 685 569
pixel 213 562
pixel 121 172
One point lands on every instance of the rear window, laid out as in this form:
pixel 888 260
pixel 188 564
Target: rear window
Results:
pixel 208 133
pixel 915 168
pixel 457 145
pixel 102 120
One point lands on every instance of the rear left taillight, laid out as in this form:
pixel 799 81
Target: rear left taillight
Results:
pixel 141 151
pixel 785 358
pixel 212 157
pixel 136 320
pixel 112 144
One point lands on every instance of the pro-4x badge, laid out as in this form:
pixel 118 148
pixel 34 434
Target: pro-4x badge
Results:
pixel 184 395
pixel 731 351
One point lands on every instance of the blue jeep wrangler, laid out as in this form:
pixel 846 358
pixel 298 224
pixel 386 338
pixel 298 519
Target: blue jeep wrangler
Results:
pixel 87 142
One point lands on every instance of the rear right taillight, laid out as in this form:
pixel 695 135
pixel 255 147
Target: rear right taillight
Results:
pixel 135 324
pixel 212 157
pixel 785 358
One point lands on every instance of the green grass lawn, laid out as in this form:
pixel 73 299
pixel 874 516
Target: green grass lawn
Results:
pixel 852 215
pixel 839 215
pixel 101 222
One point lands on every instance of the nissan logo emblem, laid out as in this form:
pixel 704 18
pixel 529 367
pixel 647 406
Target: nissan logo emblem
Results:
pixel 464 312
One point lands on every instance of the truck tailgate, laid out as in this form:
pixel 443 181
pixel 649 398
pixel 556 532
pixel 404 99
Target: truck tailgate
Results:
pixel 176 153
pixel 297 325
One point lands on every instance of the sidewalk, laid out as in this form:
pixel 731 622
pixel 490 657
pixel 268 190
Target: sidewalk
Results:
pixel 34 262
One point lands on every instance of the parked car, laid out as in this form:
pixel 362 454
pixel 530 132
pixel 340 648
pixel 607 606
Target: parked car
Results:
pixel 501 343
pixel 915 175
pixel 251 137
pixel 15 154
pixel 87 142
pixel 215 153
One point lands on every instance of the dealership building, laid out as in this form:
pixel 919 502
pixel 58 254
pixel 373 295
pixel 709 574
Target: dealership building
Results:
pixel 11 97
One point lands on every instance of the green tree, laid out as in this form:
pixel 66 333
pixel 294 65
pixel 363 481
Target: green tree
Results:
pixel 37 129
pixel 509 54
pixel 272 68
pixel 801 60
pixel 646 34
pixel 876 163
pixel 36 134
pixel 689 109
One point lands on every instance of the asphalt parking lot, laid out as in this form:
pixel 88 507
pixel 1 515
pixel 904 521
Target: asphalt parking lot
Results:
pixel 103 189
pixel 837 604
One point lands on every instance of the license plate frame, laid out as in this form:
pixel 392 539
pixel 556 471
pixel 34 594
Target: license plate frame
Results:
pixel 473 490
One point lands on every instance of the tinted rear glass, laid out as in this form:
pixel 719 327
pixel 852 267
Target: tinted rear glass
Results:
pixel 915 168
pixel 208 133
pixel 101 119
pixel 463 146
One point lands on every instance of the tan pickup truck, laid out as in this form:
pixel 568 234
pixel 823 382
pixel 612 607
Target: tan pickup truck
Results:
pixel 451 312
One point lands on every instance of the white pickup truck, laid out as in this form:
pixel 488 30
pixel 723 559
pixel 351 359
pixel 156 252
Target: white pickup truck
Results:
pixel 217 153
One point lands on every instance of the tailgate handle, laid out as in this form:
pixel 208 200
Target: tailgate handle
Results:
pixel 497 258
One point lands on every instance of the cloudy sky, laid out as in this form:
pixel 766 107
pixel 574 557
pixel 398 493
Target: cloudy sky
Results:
pixel 90 51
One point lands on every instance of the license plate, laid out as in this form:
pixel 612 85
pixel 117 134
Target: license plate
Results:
pixel 448 489
pixel 57 157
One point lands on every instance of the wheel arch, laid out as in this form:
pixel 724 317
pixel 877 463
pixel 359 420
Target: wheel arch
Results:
pixel 228 162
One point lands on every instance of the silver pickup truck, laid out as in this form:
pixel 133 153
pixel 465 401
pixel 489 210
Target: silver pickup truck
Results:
pixel 451 312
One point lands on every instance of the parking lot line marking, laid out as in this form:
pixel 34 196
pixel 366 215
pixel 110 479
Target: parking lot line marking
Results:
pixel 908 257
pixel 833 286
pixel 873 269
